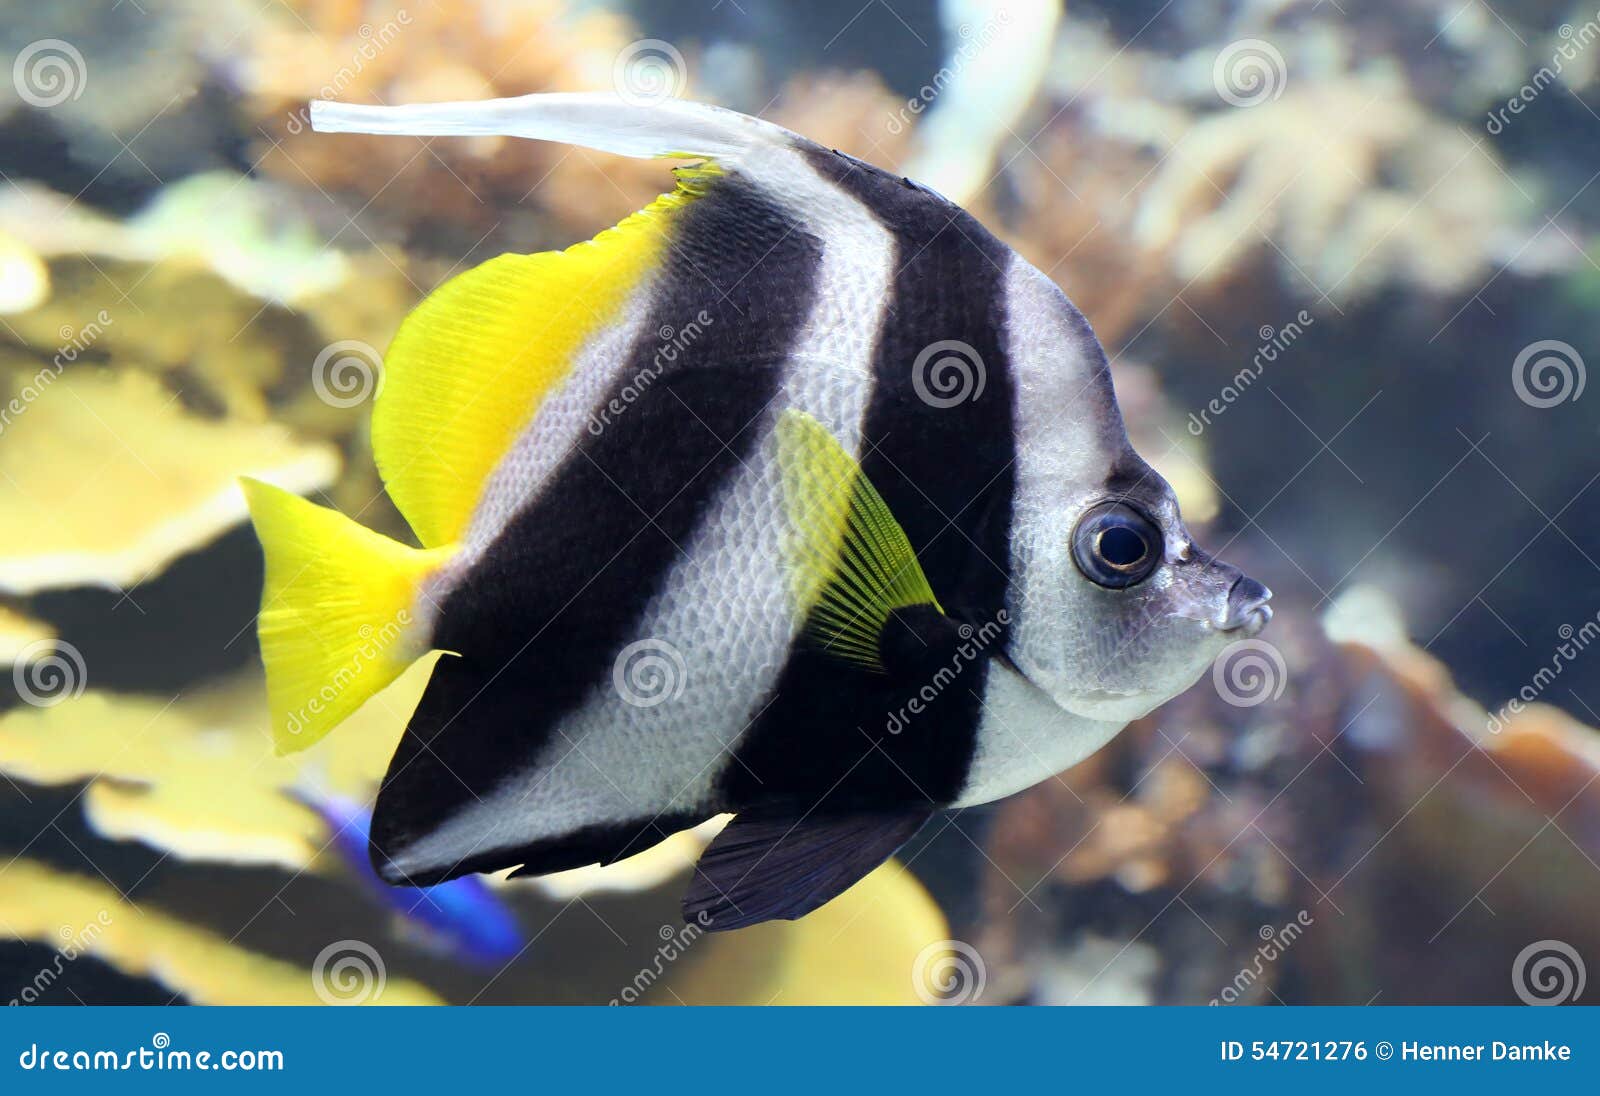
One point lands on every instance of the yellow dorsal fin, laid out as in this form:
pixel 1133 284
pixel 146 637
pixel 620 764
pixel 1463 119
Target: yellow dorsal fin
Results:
pixel 472 363
pixel 852 563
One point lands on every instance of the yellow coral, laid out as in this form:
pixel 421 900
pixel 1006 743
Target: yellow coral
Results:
pixel 882 942
pixel 105 478
pixel 81 916
pixel 197 775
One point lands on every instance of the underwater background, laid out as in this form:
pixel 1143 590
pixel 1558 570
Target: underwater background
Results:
pixel 1343 259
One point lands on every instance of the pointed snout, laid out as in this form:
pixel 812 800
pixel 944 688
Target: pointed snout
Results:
pixel 1246 611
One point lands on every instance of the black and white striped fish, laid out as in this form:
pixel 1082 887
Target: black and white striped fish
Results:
pixel 796 495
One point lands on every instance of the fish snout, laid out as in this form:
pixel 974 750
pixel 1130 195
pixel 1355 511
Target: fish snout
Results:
pixel 1246 610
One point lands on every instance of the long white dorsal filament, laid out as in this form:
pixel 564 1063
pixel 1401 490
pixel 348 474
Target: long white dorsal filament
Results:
pixel 608 123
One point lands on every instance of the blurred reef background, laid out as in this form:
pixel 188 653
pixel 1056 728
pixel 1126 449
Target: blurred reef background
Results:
pixel 1345 261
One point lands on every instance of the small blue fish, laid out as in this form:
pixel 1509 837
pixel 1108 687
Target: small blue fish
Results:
pixel 462 917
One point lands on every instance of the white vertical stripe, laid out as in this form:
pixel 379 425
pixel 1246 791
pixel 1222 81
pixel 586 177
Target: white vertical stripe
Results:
pixel 1068 430
pixel 1025 737
pixel 1067 425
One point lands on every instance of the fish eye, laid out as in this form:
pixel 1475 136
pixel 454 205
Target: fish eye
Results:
pixel 1116 546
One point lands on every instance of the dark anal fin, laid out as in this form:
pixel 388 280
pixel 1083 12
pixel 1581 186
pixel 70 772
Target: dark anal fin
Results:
pixel 768 866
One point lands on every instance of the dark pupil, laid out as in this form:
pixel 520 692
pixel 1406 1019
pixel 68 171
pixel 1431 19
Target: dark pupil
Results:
pixel 1120 546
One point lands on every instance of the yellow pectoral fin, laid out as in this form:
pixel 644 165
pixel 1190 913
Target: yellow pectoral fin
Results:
pixel 852 563
pixel 471 365
pixel 337 617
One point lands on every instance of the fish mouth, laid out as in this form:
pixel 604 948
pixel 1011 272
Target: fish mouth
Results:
pixel 1247 611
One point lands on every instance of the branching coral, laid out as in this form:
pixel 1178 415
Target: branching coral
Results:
pixel 397 54
pixel 1348 183
pixel 105 478
pixel 1280 150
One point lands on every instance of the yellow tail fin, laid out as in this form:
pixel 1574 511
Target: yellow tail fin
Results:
pixel 338 618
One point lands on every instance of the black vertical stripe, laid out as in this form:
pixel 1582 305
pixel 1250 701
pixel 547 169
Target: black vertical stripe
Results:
pixel 540 619
pixel 946 473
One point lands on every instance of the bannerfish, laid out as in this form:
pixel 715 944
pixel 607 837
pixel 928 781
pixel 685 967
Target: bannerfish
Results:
pixel 796 495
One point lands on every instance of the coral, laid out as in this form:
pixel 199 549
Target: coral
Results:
pixel 1352 183
pixel 24 278
pixel 879 943
pixel 397 54
pixel 851 113
pixel 22 639
pixel 105 478
pixel 654 866
pixel 196 776
pixel 1370 793
pixel 1335 174
pixel 78 916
